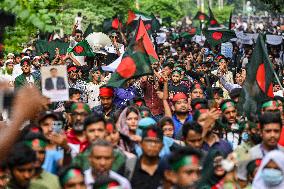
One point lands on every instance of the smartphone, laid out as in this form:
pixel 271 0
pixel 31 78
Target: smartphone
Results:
pixel 57 126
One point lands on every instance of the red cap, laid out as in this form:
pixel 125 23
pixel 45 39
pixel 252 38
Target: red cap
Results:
pixel 73 68
pixel 106 92
pixel 179 96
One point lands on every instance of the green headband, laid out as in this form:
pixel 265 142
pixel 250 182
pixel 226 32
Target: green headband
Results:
pixel 269 104
pixel 36 143
pixel 176 71
pixel 186 160
pixel 227 105
pixel 80 105
pixel 70 174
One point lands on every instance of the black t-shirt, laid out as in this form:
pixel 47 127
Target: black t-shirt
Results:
pixel 142 180
pixel 180 88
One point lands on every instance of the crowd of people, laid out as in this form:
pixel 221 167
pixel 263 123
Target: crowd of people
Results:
pixel 178 128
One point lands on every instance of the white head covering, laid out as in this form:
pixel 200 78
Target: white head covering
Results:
pixel 278 157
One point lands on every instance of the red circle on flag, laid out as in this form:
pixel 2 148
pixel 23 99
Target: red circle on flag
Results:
pixel 126 68
pixel 148 26
pixel 217 35
pixel 79 49
pixel 213 22
pixel 201 17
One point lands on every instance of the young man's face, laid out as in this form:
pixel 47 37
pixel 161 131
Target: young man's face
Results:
pixel 230 114
pixel 75 183
pixel 95 131
pixel 101 159
pixel 46 126
pixel 97 76
pixel 40 156
pixel 151 146
pixel 271 134
pixel 10 66
pixel 78 37
pixel 23 174
pixel 188 175
pixel 181 106
pixel 194 139
pixel 176 78
pixel 197 93
pixel 26 68
pixel 166 71
pixel 73 75
pixel 106 102
pixel 168 130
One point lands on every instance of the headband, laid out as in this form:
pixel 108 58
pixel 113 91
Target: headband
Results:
pixel 36 143
pixel 106 92
pixel 227 105
pixel 73 68
pixel 270 104
pixel 176 71
pixel 80 105
pixel 179 96
pixel 71 173
pixel 186 160
pixel 150 133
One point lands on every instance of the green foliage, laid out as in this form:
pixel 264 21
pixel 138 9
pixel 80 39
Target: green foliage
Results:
pixel 223 15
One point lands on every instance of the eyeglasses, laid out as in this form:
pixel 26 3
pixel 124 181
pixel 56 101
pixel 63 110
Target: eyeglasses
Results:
pixel 78 36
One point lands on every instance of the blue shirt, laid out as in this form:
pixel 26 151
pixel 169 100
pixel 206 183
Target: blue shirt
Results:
pixel 178 126
pixel 51 160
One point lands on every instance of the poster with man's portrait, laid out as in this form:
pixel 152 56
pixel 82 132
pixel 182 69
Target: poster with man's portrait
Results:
pixel 54 83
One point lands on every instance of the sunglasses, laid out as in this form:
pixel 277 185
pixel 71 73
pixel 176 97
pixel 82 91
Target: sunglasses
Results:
pixel 78 36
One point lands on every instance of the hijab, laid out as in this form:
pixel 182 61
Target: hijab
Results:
pixel 278 157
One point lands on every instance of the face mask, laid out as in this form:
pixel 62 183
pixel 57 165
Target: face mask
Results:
pixel 272 177
pixel 245 136
pixel 78 127
pixel 256 138
pixel 227 165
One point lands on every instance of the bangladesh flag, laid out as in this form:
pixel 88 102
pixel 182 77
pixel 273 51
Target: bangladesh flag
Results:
pixel 258 84
pixel 216 37
pixel 135 15
pixel 82 49
pixel 200 16
pixel 137 59
pixel 111 24
pixel 212 22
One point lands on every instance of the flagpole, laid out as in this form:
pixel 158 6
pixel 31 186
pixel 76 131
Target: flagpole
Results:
pixel 277 78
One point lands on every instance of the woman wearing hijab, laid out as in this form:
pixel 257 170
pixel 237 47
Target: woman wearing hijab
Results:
pixel 270 174
pixel 127 125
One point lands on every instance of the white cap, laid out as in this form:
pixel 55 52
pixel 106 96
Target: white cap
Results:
pixel 10 55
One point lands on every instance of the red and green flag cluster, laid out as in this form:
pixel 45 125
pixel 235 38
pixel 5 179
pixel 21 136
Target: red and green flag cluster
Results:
pixel 216 37
pixel 82 48
pixel 137 59
pixel 258 84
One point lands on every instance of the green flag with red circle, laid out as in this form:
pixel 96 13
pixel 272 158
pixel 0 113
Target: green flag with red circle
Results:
pixel 212 22
pixel 258 85
pixel 200 16
pixel 136 60
pixel 82 48
pixel 216 37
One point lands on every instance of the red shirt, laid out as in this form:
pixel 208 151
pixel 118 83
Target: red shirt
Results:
pixel 281 140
